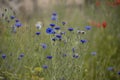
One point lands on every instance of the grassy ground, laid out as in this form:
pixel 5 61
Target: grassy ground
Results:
pixel 103 64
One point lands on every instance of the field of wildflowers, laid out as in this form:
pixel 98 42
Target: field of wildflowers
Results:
pixel 62 44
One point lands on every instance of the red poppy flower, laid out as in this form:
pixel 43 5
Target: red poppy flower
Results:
pixel 98 25
pixel 97 3
pixel 104 24
pixel 117 2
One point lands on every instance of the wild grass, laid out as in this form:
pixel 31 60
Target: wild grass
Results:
pixel 63 65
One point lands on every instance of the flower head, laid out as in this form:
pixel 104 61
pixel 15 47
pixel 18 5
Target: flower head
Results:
pixel 21 55
pixel 18 24
pixel 83 41
pixel 119 73
pixel 57 28
pixel 45 66
pixel 3 56
pixel 54 16
pixel 110 68
pixel 104 24
pixel 44 46
pixel 16 20
pixel 49 57
pixel 81 32
pixel 64 55
pixel 12 17
pixel 54 39
pixel 58 36
pixel 70 29
pixel 52 25
pixel 88 27
pixel 75 55
pixel 49 30
pixel 38 25
pixel 93 53
pixel 37 33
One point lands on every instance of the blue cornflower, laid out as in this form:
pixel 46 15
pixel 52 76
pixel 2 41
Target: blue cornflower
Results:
pixel 21 55
pixel 49 57
pixel 88 27
pixel 110 68
pixel 53 32
pixel 70 29
pixel 93 53
pixel 119 73
pixel 75 55
pixel 54 39
pixel 58 36
pixel 18 24
pixel 37 33
pixel 64 55
pixel 49 30
pixel 16 20
pixel 54 16
pixel 3 56
pixel 44 46
pixel 57 28
pixel 52 25
pixel 12 17
pixel 83 41
pixel 45 66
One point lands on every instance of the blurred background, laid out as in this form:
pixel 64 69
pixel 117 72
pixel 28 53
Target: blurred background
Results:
pixel 78 13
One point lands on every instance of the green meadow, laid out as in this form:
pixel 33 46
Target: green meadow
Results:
pixel 26 55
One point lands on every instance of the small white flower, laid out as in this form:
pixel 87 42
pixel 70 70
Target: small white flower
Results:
pixel 38 25
pixel 81 32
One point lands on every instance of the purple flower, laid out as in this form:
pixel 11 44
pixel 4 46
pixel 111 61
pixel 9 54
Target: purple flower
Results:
pixel 75 55
pixel 21 55
pixel 57 28
pixel 3 56
pixel 110 68
pixel 58 36
pixel 64 55
pixel 18 24
pixel 54 16
pixel 49 30
pixel 93 53
pixel 49 57
pixel 12 17
pixel 52 25
pixel 44 46
pixel 16 20
pixel 70 29
pixel 119 73
pixel 37 33
pixel 83 41
pixel 88 27
pixel 54 39
pixel 45 66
